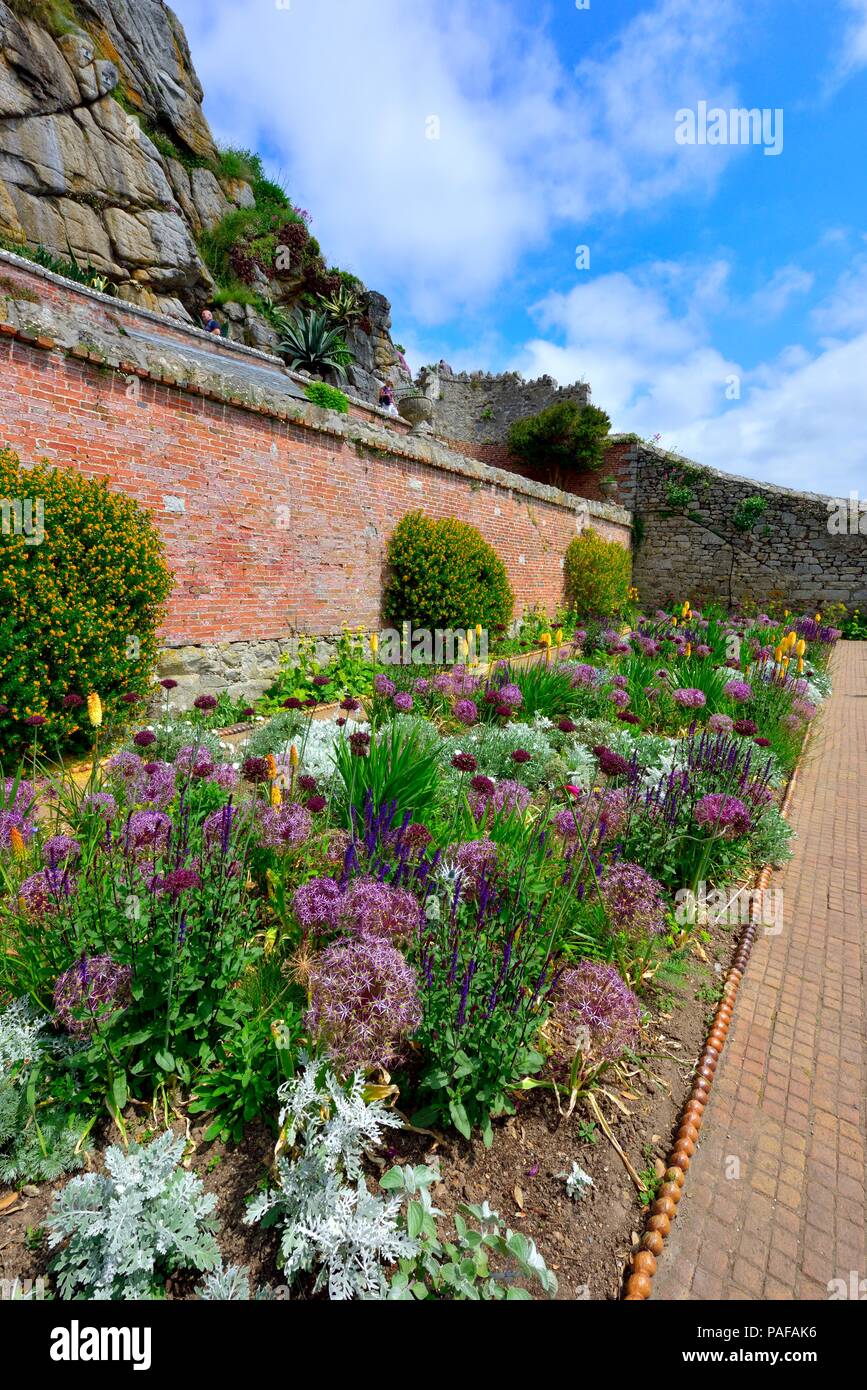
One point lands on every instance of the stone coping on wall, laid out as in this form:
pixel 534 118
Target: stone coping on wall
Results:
pixel 275 393
pixel 664 456
pixel 217 347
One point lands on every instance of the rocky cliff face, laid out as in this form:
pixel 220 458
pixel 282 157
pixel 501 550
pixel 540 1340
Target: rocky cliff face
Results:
pixel 106 155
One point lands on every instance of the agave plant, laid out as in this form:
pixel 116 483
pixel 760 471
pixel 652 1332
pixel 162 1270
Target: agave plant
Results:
pixel 311 344
pixel 344 307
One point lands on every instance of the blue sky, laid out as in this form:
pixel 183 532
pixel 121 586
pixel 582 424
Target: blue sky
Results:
pixel 725 303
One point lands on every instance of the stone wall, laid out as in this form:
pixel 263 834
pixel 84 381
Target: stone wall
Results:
pixel 686 551
pixel 276 515
pixel 479 408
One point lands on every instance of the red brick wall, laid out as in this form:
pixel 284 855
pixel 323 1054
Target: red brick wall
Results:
pixel 284 525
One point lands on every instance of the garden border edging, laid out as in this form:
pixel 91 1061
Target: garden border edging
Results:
pixel 642 1263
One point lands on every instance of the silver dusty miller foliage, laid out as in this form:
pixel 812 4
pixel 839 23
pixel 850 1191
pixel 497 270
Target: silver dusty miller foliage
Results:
pixel 127 1228
pixel 328 1220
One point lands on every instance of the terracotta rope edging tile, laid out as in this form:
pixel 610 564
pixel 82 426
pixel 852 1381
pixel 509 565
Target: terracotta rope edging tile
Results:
pixel 643 1262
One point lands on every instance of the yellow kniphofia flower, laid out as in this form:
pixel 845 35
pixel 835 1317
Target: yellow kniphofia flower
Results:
pixel 293 756
pixel 801 647
pixel 16 843
pixel 94 709
pixel 272 766
pixel 558 636
pixel 276 796
pixel 374 643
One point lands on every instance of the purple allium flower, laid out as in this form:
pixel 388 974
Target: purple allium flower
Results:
pixel 648 646
pixel 205 703
pixel 350 704
pixel 620 682
pixel 317 905
pixel 619 698
pixel 746 727
pixel 651 693
pixel 600 814
pixel 101 803
pixel 633 900
pixel 566 726
pixel 626 717
pixel 442 684
pixel 157 785
pixel 508 796
pixel 363 1002
pixel 316 803
pixel 177 882
pixel 72 701
pixel 61 849
pixel 702 649
pixel 504 711
pixel 689 698
pixel 90 993
pixel 306 783
pixel 464 762
pixel 144 738
pixel 720 724
pixel 475 860
pixel 371 908
pixel 126 766
pixel 594 1012
pixel 169 684
pixel 739 691
pixel 130 698
pixel 46 891
pixel 383 686
pixel 194 762
pixel 359 744
pixel 804 709
pixel 292 703
pixel 611 763
pixel 482 786
pixel 422 686
pixel 466 711
pixel 321 681
pixel 225 777
pixel 520 755
pixel 403 702
pixel 293 824
pixel 725 816
pixel 582 674
pixel 255 769
pixel 791 722
pixel 510 694
pixel 762 742
pixel 147 830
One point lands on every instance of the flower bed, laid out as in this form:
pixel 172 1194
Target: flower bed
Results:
pixel 454 948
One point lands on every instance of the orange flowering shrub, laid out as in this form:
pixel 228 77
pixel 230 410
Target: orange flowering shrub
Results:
pixel 84 582
pixel 443 574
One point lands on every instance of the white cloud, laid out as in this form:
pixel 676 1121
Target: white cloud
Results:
pixel 343 91
pixel 853 52
pixel 783 286
pixel 799 419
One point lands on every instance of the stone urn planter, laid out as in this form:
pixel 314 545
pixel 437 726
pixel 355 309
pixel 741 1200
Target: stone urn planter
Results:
pixel 416 409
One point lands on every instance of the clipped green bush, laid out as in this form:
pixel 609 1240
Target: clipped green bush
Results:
pixel 84 583
pixel 328 397
pixel 443 574
pixel 598 574
pixel 564 438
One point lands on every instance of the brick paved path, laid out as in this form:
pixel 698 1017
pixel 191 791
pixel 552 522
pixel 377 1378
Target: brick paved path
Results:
pixel 788 1101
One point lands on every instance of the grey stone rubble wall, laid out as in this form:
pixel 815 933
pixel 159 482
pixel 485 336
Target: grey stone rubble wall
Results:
pixel 479 408
pixel 789 555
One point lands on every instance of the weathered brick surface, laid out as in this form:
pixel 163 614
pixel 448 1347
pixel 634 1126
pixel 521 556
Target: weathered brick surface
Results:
pixel 787 1110
pixel 272 525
